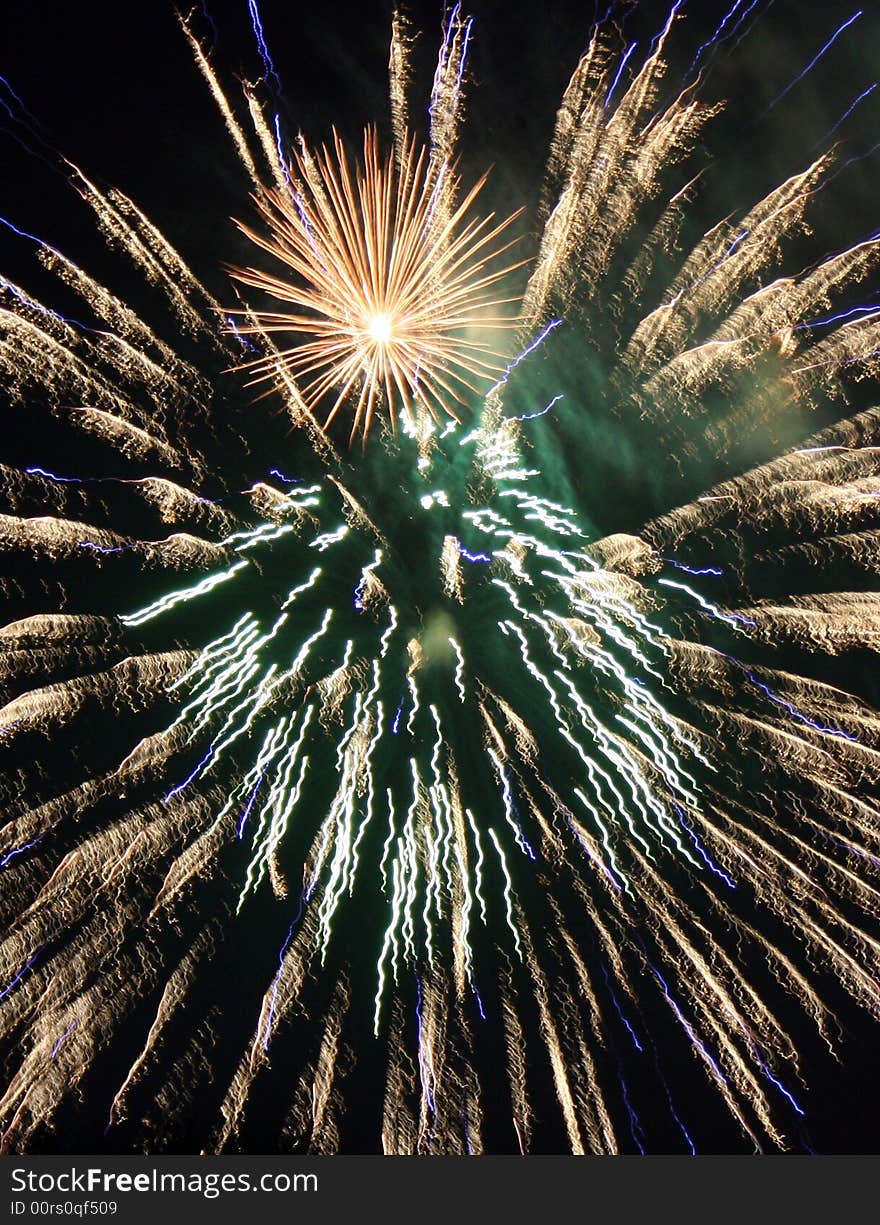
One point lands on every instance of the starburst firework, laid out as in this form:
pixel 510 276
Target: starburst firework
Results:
pixel 466 796
pixel 393 278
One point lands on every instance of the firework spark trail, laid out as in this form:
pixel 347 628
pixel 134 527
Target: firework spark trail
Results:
pixel 269 69
pixel 814 61
pixel 719 32
pixel 525 727
pixel 235 131
pixel 823 140
pixel 269 138
pixel 399 77
pixel 602 168
pixel 406 895
pixel 445 108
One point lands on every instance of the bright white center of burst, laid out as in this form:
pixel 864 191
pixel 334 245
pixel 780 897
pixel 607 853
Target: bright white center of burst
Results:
pixel 379 329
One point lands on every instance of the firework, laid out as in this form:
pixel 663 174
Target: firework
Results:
pixel 391 284
pixel 410 784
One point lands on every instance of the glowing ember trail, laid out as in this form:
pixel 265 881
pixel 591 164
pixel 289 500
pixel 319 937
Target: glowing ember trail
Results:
pixel 372 792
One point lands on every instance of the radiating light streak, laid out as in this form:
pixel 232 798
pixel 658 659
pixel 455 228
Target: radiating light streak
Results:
pixel 326 539
pixel 33 304
pixel 713 570
pixel 530 348
pixel 279 149
pixel 248 808
pixel 285 480
pixel 635 1127
pixel 19 976
pixel 24 234
pixel 618 881
pixel 210 20
pixel 449 21
pixel 846 114
pixel 32 122
pixel 619 1011
pixel 19 850
pixel 242 340
pixel 831 41
pixel 268 67
pixel 742 21
pixel 100 548
pixel 623 63
pixel 480 1009
pixel 867 311
pixel 701 851
pixel 798 714
pixel 688 1028
pixel 196 770
pixel 64 480
pixel 733 619
pixel 782 1089
pixel 710 42
pixel 543 411
pixel 459 670
pixel 468 26
pixel 57 1047
pixel 658 38
pixel 273 992
pixel 472 557
pixel 366 573
pixel 508 890
pixel 184 594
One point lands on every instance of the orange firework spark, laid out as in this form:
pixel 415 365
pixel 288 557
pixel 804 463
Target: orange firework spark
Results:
pixel 391 277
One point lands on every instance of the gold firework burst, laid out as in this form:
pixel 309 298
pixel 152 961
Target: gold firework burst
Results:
pixel 390 288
